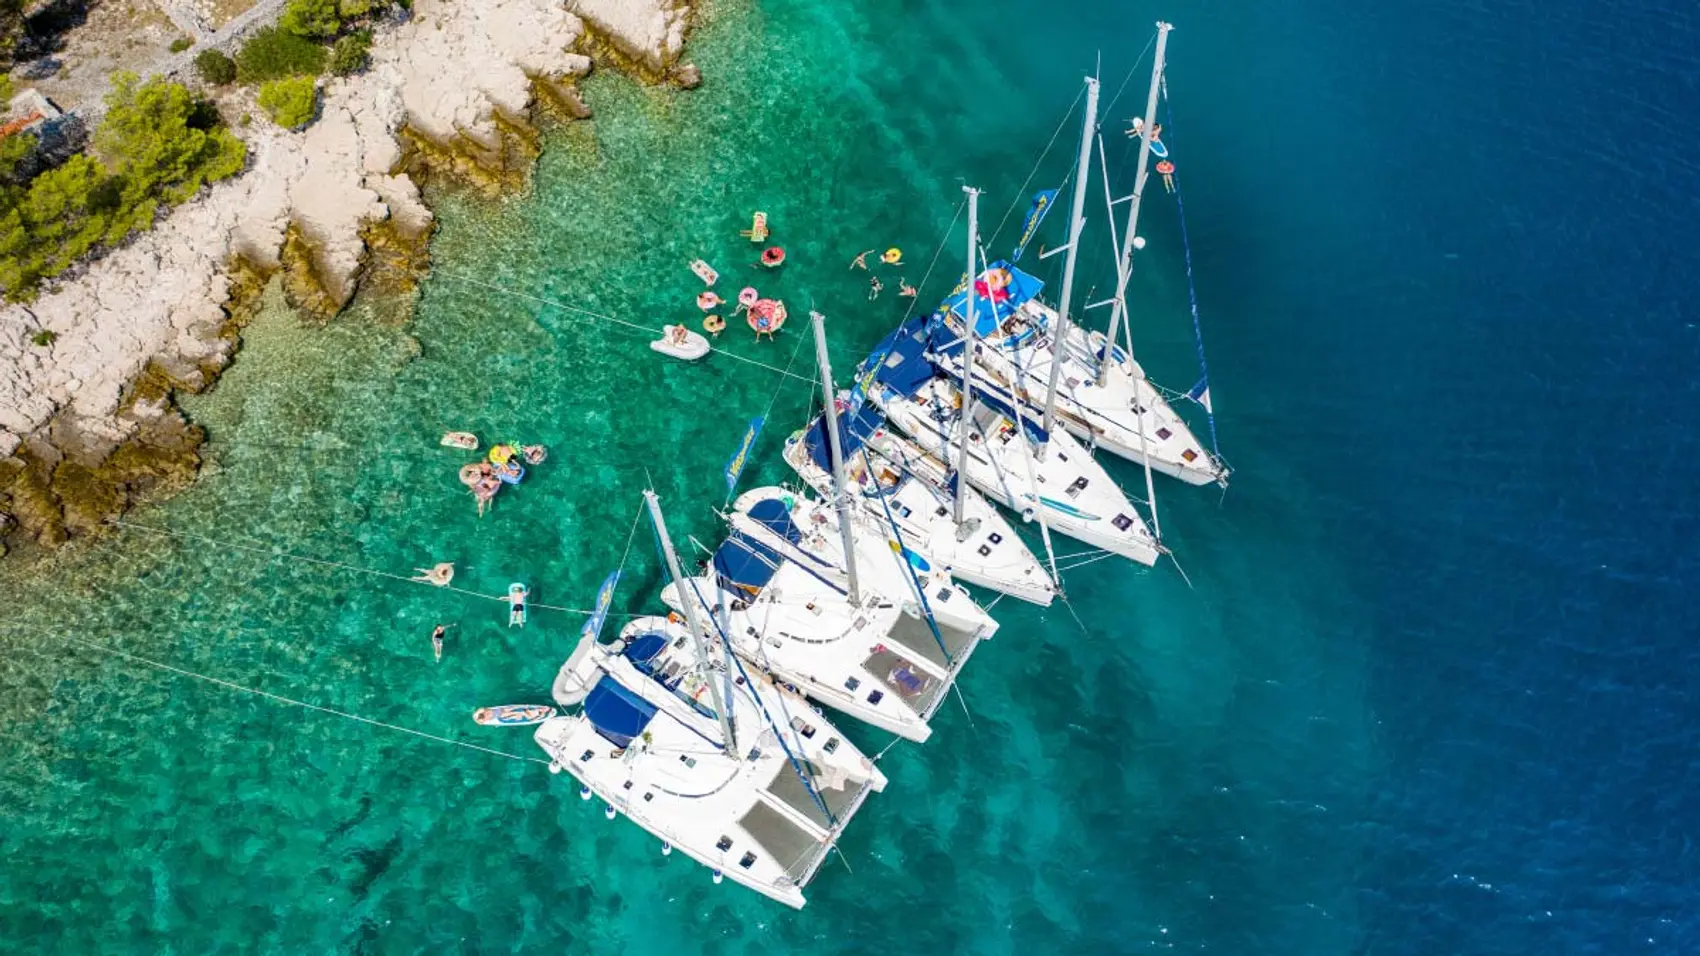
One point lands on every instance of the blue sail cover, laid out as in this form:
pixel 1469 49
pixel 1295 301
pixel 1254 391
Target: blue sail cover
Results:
pixel 617 713
pixel 1004 404
pixel 1000 290
pixel 855 426
pixel 743 563
pixel 772 513
pixel 900 360
pixel 643 648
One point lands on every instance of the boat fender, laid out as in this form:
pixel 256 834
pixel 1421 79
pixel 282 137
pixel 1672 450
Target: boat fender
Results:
pixel 610 812
pixel 554 767
pixel 666 848
pixel 584 793
pixel 718 876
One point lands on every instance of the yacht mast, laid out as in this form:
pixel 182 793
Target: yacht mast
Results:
pixel 835 447
pixel 1076 221
pixel 691 620
pixel 1124 267
pixel 967 359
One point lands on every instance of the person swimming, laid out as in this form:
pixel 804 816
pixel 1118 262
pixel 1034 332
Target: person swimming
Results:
pixel 437 640
pixel 874 287
pixel 904 289
pixel 861 261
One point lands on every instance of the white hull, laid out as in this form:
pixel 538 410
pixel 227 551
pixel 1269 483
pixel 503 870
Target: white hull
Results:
pixel 914 485
pixel 879 564
pixel 1077 497
pixel 750 819
pixel 865 662
pixel 1126 416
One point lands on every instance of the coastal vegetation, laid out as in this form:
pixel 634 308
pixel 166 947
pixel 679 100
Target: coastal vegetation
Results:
pixel 215 67
pixel 273 54
pixel 157 145
pixel 291 101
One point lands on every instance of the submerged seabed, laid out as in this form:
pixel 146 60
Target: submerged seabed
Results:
pixel 1248 765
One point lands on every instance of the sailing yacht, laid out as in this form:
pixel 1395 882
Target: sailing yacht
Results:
pixel 916 488
pixel 1124 413
pixel 806 530
pixel 866 659
pixel 1064 487
pixel 750 782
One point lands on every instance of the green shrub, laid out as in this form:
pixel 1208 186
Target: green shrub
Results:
pixel 215 67
pixel 272 54
pixel 180 44
pixel 311 18
pixel 351 53
pixel 290 102
pixel 44 338
pixel 157 144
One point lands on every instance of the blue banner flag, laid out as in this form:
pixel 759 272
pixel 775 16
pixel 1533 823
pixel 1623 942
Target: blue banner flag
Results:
pixel 604 597
pixel 735 467
pixel 1042 201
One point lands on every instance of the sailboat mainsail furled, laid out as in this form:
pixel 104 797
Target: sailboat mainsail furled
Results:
pixel 734 772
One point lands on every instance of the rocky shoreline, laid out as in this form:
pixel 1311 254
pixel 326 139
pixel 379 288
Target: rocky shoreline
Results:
pixel 88 417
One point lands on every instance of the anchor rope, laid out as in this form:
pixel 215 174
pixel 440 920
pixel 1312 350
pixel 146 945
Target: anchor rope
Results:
pixel 606 318
pixel 280 698
pixel 278 553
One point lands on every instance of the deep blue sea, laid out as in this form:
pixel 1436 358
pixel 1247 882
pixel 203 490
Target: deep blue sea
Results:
pixel 1432 690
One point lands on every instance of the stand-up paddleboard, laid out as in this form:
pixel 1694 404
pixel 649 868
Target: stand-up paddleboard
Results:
pixel 516 604
pixel 1158 149
pixel 513 715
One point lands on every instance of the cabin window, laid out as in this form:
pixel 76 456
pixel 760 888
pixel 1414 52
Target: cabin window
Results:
pixel 750 631
pixel 876 696
pixel 802 726
pixel 943 595
pixel 1189 455
pixel 1164 433
pixel 723 844
pixel 1122 522
pixel 688 760
pixel 941 512
pixel 902 510
pixel 831 745
pixel 585 757
pixel 985 550
pixel 748 861
pixel 679 643
pixel 1061 456
pixel 649 796
pixel 626 786
pixel 739 680
pixel 755 754
pixel 851 683
pixel 994 538
pixel 1075 489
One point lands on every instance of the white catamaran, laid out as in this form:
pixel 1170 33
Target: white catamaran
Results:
pixel 720 764
pixel 901 482
pixel 805 529
pixel 1092 386
pixel 1045 475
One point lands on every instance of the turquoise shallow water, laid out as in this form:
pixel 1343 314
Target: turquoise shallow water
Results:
pixel 1117 785
pixel 1381 719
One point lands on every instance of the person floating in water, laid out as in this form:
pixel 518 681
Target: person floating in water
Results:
pixel 904 289
pixel 439 574
pixel 874 287
pixel 1137 129
pixel 437 640
pixel 1167 169
pixel 861 261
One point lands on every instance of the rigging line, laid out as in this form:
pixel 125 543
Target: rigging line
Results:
pixel 182 672
pixel 607 318
pixel 1129 77
pixel 1022 191
pixel 330 564
pixel 1191 288
pixel 964 702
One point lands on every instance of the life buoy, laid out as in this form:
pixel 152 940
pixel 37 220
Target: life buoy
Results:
pixel 1165 167
pixel 892 256
pixel 714 325
pixel 707 300
pixel 773 257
